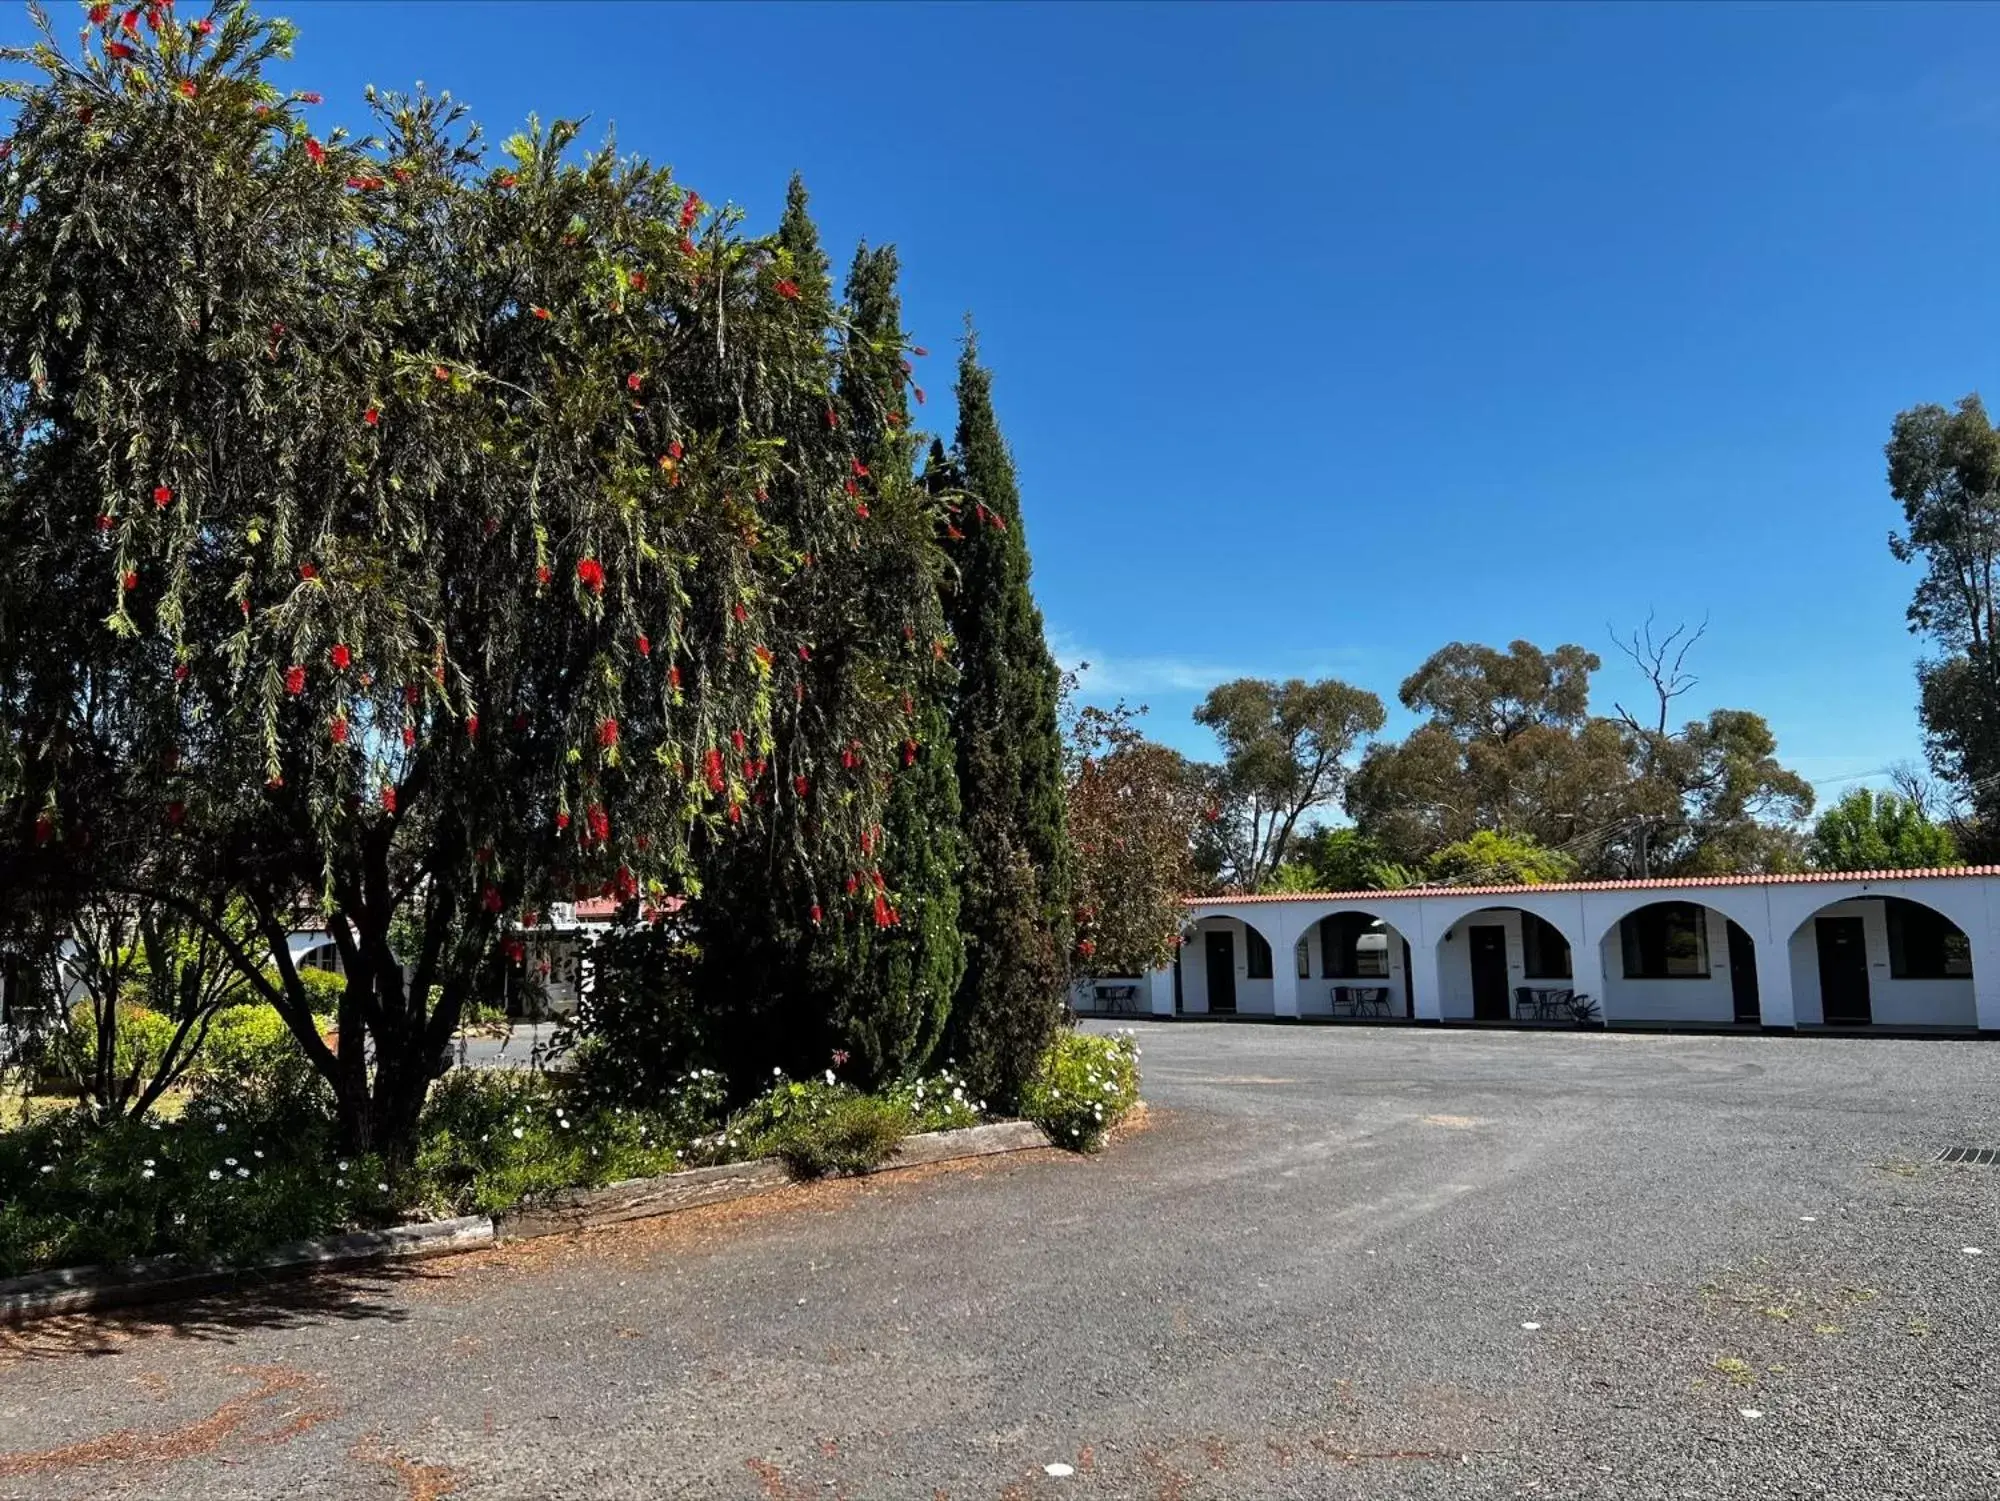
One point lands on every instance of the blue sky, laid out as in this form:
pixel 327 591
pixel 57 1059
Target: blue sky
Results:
pixel 1325 336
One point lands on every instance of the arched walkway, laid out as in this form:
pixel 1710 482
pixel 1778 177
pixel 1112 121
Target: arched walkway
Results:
pixel 1506 964
pixel 1225 968
pixel 1679 962
pixel 1354 964
pixel 1881 960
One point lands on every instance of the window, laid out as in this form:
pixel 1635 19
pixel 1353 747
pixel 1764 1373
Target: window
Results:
pixel 1256 954
pixel 1925 945
pixel 1353 947
pixel 1544 951
pixel 1666 941
pixel 1302 957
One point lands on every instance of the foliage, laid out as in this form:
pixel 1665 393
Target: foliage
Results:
pixel 1869 830
pixel 139 1040
pixel 1944 470
pixel 1082 1086
pixel 1017 904
pixel 1338 859
pixel 637 1031
pixel 1285 748
pixel 491 1139
pixel 245 1045
pixel 237 1171
pixel 817 1127
pixel 1134 807
pixel 1490 858
pixel 1509 745
pixel 455 533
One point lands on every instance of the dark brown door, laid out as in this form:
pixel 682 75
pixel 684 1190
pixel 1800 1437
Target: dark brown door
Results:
pixel 1409 985
pixel 1489 972
pixel 1221 948
pixel 1743 977
pixel 1843 971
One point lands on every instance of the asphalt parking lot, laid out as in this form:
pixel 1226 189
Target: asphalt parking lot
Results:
pixel 1328 1263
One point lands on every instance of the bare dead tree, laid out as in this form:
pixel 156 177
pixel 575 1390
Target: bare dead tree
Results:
pixel 1914 785
pixel 1663 662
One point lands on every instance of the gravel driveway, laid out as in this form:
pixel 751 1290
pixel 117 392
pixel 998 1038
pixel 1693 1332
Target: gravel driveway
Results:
pixel 1328 1263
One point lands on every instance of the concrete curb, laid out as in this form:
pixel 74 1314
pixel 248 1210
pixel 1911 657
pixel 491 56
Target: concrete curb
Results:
pixel 160 1279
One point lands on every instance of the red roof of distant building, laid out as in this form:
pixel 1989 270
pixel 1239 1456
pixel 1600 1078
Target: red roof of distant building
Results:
pixel 604 908
pixel 1802 877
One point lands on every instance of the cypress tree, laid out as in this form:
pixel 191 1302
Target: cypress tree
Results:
pixel 890 990
pixel 1017 882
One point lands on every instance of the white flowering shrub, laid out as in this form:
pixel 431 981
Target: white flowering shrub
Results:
pixel 1082 1085
pixel 941 1102
pixel 819 1126
pixel 492 1139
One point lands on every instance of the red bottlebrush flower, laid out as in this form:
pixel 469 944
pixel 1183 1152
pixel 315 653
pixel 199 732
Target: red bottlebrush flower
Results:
pixel 920 351
pixel 45 828
pixel 607 733
pixel 909 753
pixel 762 654
pixel 847 759
pixel 529 919
pixel 788 289
pixel 295 681
pixel 439 372
pixel 388 799
pixel 637 281
pixel 953 533
pixel 543 574
pixel 918 392
pixel 162 496
pixel 711 765
pixel 409 736
pixel 204 27
pixel 867 841
pixel 562 822
pixel 861 510
pixel 634 381
pixel 187 89
pixel 130 581
pixel 736 813
pixel 489 526
pixel 737 740
pixel 308 572
pixel 104 523
pixel 894 419
pixel 341 657
pixel 130 21
pixel 815 914
pixel 852 488
pixel 483 855
pixel 412 693
pixel 339 732
pixel 686 246
pixel 542 313
pixel 883 916
pixel 311 99
pixel 626 884
pixel 690 210
pixel 645 647
pixel 673 677
pixel 176 813
pixel 801 786
pixel 472 727
pixel 739 611
pixel 860 469
pixel 489 898
pixel 85 115
pixel 99 14
pixel 674 449
pixel 514 949
pixel 372 416
pixel 599 822
pixel 1086 947
pixel 180 672
pixel 591 573
pixel 853 884
pixel 506 179
pixel 315 153
pixel 832 417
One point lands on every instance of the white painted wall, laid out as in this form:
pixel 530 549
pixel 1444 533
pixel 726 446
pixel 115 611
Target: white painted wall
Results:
pixel 1316 988
pixel 1253 997
pixel 1891 1002
pixel 1455 962
pixel 1706 1002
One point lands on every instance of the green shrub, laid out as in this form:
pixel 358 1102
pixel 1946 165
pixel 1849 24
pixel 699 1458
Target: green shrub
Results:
pixel 143 1038
pixel 1081 1086
pixel 323 990
pixel 236 1172
pixel 937 1103
pixel 244 1045
pixel 492 1139
pixel 816 1127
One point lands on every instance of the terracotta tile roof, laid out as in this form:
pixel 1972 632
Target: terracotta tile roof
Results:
pixel 604 908
pixel 1796 878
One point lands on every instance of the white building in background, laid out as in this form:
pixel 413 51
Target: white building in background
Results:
pixel 1917 949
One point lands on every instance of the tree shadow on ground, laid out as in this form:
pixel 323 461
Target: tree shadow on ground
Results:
pixel 368 1293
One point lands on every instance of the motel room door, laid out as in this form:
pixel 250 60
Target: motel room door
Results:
pixel 1220 946
pixel 1487 945
pixel 1843 971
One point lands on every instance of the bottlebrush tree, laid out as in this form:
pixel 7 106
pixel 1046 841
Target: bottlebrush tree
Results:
pixel 444 517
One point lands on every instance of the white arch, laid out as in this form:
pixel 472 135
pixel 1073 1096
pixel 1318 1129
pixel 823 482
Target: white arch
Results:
pixel 1889 998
